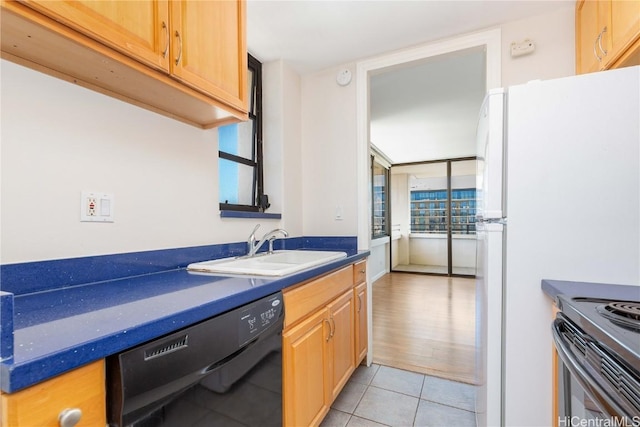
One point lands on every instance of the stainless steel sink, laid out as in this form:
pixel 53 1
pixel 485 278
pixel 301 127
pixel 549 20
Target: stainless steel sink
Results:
pixel 278 263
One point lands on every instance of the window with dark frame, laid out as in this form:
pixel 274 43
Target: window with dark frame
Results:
pixel 380 199
pixel 240 163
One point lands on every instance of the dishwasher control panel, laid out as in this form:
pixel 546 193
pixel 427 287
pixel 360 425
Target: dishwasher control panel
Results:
pixel 259 316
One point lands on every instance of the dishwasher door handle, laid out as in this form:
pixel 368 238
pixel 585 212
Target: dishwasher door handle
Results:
pixel 225 360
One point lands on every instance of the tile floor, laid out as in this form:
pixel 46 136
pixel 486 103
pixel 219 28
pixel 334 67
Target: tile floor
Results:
pixel 383 396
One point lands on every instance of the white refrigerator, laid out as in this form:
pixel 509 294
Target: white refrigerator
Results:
pixel 558 189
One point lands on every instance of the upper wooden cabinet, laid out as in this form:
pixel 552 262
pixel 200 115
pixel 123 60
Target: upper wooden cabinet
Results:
pixel 183 59
pixel 138 28
pixel 588 29
pixel 198 25
pixel 607 34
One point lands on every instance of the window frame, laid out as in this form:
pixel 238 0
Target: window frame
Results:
pixel 384 231
pixel 260 200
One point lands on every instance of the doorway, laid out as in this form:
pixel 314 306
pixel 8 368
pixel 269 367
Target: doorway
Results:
pixel 490 43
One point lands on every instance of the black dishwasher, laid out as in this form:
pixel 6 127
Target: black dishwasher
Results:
pixel 224 371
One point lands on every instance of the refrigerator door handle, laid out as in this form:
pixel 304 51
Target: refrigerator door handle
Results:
pixel 481 220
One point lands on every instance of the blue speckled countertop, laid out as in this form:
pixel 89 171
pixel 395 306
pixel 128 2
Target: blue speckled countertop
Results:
pixel 553 288
pixel 61 327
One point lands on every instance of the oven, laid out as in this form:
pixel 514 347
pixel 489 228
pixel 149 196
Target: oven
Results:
pixel 598 346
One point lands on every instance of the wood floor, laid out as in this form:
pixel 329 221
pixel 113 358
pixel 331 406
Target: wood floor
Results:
pixel 425 324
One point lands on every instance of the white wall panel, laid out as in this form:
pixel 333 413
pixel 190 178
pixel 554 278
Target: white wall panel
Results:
pixel 59 139
pixel 329 156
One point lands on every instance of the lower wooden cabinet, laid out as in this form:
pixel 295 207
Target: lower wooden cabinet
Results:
pixel 305 378
pixel 323 322
pixel 360 295
pixel 555 394
pixel 341 342
pixel 362 341
pixel 42 404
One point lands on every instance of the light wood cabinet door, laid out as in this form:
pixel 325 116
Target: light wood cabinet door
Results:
pixel 208 48
pixel 40 405
pixel 139 29
pixel 341 342
pixel 607 34
pixel 590 15
pixel 625 25
pixel 305 378
pixel 362 342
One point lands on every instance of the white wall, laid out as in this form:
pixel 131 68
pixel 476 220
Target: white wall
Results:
pixel 282 143
pixel 432 250
pixel 59 139
pixel 329 127
pixel 329 156
pixel 554 37
pixel 378 263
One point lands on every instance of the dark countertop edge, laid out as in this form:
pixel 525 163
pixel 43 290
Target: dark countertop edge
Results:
pixel 15 377
pixel 554 288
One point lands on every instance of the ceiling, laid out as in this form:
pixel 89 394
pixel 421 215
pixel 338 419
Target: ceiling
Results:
pixel 312 35
pixel 428 110
pixel 423 111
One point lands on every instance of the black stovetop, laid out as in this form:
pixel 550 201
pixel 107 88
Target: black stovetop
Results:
pixel 615 325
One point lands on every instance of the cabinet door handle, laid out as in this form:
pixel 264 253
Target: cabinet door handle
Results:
pixel 333 329
pixel 180 51
pixel 603 50
pixel 166 39
pixel 69 417
pixel 330 333
pixel 359 303
pixel 595 43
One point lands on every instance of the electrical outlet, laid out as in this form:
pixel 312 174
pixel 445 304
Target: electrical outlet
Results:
pixel 91 206
pixel 96 207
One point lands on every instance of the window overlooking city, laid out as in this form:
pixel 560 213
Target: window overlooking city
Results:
pixel 429 211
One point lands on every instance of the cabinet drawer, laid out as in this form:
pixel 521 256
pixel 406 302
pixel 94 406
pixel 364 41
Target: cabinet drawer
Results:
pixel 305 299
pixel 360 272
pixel 40 405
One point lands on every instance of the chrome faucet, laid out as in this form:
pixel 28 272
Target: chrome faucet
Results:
pixel 251 241
pixel 253 248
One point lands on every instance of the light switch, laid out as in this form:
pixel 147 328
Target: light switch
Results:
pixel 105 207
